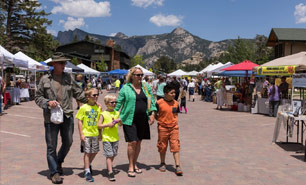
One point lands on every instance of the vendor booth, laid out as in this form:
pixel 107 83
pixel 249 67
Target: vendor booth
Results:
pixel 284 66
pixel 240 95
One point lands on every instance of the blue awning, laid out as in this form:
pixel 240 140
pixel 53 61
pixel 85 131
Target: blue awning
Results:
pixel 237 73
pixel 118 72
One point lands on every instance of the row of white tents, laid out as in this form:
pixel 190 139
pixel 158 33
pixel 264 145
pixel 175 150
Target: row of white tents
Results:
pixel 25 62
pixel 209 70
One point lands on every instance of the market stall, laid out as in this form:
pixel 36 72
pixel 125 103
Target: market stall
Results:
pixel 284 66
pixel 242 93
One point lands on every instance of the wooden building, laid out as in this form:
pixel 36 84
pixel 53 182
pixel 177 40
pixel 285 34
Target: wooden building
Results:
pixel 88 53
pixel 287 41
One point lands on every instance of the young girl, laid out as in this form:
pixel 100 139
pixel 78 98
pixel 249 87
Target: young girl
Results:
pixel 182 98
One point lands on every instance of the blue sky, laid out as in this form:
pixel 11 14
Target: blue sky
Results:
pixel 213 20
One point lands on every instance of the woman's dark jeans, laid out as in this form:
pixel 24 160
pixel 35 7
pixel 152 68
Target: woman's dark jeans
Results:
pixel 273 107
pixel 51 134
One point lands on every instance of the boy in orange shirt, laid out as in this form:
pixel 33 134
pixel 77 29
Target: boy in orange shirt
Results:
pixel 168 129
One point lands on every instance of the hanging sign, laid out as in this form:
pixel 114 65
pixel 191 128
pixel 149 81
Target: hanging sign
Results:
pixel 276 70
pixel 299 80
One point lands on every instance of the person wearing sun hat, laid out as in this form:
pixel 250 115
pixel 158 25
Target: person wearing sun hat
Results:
pixel 58 88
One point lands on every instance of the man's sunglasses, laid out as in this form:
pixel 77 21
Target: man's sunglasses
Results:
pixel 138 75
pixel 62 63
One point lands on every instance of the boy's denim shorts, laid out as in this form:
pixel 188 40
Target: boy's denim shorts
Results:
pixel 91 145
pixel 110 149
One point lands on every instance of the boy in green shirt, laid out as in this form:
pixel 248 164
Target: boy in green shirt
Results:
pixel 110 137
pixel 88 116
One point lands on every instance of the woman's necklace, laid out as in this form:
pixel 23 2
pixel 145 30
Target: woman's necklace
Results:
pixel 137 90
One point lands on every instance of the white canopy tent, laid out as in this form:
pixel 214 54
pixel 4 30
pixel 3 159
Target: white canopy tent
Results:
pixel 145 71
pixel 88 70
pixel 218 69
pixel 33 64
pixel 211 67
pixel 8 59
pixel 298 60
pixel 178 72
pixel 192 73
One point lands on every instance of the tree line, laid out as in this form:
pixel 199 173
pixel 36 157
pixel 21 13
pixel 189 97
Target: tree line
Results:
pixel 23 27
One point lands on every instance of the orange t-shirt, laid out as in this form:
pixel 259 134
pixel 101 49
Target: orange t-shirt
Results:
pixel 167 112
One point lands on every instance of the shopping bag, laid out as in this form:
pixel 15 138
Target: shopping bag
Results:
pixel 57 115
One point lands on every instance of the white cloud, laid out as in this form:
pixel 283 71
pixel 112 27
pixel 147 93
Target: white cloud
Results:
pixel 170 20
pixel 73 23
pixel 112 34
pixel 52 32
pixel 146 3
pixel 82 8
pixel 300 13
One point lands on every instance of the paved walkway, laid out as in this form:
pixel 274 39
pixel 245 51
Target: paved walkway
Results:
pixel 217 147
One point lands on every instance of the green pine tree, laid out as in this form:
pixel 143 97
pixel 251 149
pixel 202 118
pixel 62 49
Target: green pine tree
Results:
pixel 137 59
pixel 26 29
pixel 101 65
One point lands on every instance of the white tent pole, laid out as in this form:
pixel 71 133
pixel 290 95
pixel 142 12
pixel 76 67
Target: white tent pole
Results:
pixel 35 79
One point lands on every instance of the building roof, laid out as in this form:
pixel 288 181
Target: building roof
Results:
pixel 286 34
pixel 91 42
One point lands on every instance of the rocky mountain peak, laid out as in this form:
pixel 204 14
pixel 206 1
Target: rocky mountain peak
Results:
pixel 179 31
pixel 121 35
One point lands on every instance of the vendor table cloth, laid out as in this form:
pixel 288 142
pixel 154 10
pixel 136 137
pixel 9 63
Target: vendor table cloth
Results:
pixel 24 93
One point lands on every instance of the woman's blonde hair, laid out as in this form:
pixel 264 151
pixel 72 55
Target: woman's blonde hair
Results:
pixel 130 74
pixel 109 97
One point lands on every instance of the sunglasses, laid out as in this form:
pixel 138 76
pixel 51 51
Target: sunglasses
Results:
pixel 95 95
pixel 138 75
pixel 62 63
pixel 112 102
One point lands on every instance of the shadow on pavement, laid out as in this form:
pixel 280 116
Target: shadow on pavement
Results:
pixel 67 171
pixel 290 147
pixel 299 157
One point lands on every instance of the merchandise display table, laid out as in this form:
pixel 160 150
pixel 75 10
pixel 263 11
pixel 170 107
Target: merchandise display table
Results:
pixel 261 106
pixel 289 121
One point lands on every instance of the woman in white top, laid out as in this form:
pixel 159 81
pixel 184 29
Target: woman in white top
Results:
pixel 191 87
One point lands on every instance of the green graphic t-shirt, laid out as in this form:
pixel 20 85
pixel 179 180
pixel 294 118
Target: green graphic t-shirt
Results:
pixel 89 115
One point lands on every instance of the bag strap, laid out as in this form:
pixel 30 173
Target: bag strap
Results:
pixel 148 94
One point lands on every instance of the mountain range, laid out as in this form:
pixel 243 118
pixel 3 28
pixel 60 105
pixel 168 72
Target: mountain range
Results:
pixel 179 44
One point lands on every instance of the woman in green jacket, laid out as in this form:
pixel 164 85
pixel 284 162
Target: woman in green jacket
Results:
pixel 137 111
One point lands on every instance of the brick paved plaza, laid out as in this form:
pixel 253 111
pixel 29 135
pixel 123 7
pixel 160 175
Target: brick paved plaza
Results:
pixel 217 147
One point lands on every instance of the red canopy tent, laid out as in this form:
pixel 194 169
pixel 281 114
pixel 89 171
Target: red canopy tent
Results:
pixel 243 66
